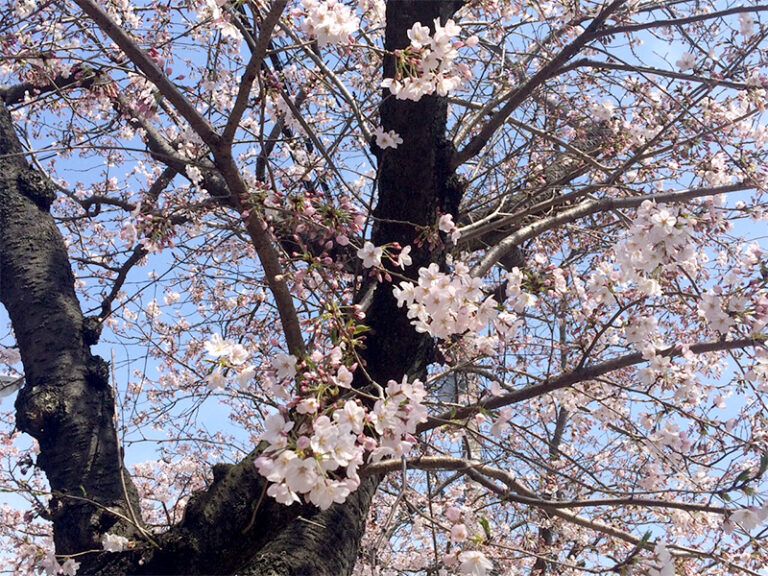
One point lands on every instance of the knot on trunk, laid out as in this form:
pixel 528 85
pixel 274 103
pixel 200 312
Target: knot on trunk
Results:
pixel 37 187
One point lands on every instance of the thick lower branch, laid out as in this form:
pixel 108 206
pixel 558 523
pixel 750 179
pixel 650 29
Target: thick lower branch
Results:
pixel 567 379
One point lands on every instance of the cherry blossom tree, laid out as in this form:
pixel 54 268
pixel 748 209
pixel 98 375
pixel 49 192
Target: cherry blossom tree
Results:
pixel 324 287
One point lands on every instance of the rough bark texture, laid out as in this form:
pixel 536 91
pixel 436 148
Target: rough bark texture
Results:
pixel 233 527
pixel 67 403
pixel 415 184
pixel 318 542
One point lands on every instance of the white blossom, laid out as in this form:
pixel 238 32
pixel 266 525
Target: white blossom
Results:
pixel 370 255
pixel 113 542
pixel 388 139
pixel 474 563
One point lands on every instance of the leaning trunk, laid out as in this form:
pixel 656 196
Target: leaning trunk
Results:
pixel 67 403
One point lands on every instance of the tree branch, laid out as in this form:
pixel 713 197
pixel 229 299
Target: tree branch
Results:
pixel 567 379
pixel 601 65
pixel 79 77
pixel 678 21
pixel 223 178
pixel 519 95
pixel 152 71
pixel 258 53
pixel 587 208
pixel 525 496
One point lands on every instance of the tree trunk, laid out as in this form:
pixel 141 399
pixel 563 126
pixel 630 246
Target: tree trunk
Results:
pixel 66 404
pixel 415 184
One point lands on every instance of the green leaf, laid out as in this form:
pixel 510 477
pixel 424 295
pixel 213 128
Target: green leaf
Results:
pixel 763 464
pixel 743 475
pixel 486 526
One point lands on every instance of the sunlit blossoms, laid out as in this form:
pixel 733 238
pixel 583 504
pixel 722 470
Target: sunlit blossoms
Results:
pixel 427 66
pixel 329 21
pixel 711 309
pixel 659 235
pixel 284 365
pixel 444 304
pixel 217 346
pixel 228 354
pixel 316 457
pixel 211 11
pixel 370 255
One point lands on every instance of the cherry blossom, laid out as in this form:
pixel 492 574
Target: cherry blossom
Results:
pixel 686 61
pixel 217 346
pixel 388 139
pixel 475 563
pixel 404 259
pixel 114 542
pixel 284 366
pixel 428 66
pixel 520 330
pixel 329 21
pixel 370 255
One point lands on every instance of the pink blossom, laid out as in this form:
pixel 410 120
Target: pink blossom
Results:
pixel 301 475
pixel 217 346
pixel 282 494
pixel 459 533
pixel 284 366
pixel 475 563
pixel 686 61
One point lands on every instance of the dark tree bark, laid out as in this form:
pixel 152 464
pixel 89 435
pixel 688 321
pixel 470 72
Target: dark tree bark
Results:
pixel 68 406
pixel 416 183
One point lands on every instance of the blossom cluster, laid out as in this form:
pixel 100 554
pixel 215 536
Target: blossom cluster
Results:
pixel 50 565
pixel 371 255
pixel 229 355
pixel 447 225
pixel 747 518
pixel 386 139
pixel 711 309
pixel 443 305
pixel 664 565
pixel 758 371
pixel 211 10
pixel 448 304
pixel 427 65
pixel 329 21
pixel 151 230
pixel 316 452
pixel 658 240
pixel 658 235
pixel 467 561
pixel 715 171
